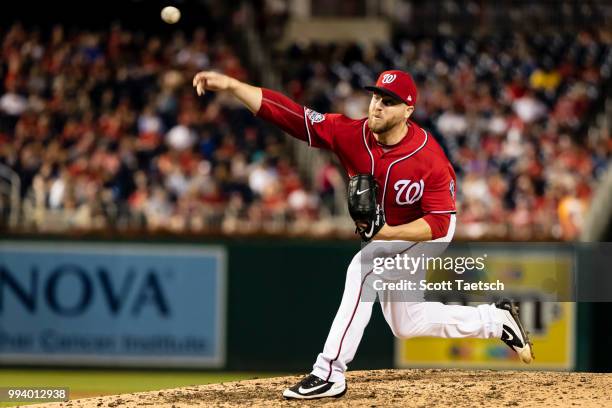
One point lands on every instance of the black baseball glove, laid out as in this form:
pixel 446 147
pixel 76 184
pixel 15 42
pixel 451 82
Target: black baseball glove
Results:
pixel 368 216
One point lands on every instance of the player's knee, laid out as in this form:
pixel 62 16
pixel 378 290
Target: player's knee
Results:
pixel 402 332
pixel 414 323
pixel 408 331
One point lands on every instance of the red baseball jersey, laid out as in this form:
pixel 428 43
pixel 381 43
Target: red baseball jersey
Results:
pixel 414 176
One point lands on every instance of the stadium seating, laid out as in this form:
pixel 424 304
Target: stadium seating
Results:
pixel 105 132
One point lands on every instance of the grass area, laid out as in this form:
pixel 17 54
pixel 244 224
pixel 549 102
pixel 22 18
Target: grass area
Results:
pixel 90 383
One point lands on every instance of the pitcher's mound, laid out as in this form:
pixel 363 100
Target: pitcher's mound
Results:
pixel 394 388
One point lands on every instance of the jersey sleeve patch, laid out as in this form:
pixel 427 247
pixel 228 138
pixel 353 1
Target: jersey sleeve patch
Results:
pixel 314 116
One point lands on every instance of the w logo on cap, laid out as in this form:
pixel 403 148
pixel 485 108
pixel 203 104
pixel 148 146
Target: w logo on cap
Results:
pixel 388 78
pixel 397 84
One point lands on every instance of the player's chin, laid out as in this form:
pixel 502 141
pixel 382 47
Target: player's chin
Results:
pixel 375 124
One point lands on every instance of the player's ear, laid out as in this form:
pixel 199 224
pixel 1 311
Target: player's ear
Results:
pixel 408 112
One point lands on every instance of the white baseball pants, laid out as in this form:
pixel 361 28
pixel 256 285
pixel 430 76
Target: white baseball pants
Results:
pixel 406 318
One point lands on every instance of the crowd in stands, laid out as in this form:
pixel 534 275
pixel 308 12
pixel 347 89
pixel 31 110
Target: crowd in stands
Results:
pixel 512 111
pixel 106 133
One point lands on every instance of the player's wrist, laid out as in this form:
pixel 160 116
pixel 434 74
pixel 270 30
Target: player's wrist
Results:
pixel 232 84
pixel 385 233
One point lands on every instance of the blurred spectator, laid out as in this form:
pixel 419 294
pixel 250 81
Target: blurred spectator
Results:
pixel 329 185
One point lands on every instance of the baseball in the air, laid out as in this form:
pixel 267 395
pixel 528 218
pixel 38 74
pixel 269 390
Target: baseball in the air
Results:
pixel 170 14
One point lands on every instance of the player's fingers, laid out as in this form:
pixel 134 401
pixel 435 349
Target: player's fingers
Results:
pixel 196 79
pixel 199 77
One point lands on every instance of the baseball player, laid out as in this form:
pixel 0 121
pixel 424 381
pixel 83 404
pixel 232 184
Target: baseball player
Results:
pixel 414 204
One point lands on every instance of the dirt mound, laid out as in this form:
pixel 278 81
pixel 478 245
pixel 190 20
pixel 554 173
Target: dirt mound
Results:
pixel 396 388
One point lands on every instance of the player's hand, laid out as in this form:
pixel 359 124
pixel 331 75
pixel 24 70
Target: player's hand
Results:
pixel 211 81
pixel 368 229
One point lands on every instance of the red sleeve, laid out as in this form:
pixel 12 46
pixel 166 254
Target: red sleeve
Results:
pixel 439 193
pixel 438 223
pixel 297 120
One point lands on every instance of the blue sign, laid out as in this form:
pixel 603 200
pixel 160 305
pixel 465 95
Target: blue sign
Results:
pixel 112 304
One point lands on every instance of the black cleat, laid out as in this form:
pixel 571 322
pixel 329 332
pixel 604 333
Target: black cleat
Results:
pixel 314 387
pixel 513 334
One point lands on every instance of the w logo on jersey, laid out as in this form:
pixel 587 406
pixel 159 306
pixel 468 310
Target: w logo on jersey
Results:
pixel 408 192
pixel 388 78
